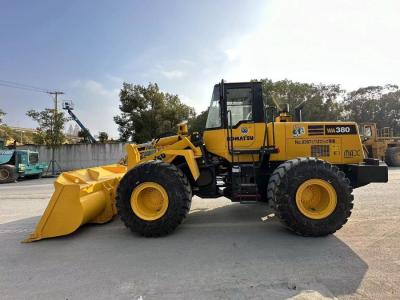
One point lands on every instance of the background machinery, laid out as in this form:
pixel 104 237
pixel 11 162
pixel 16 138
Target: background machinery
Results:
pixel 16 164
pixel 381 143
pixel 69 107
pixel 306 171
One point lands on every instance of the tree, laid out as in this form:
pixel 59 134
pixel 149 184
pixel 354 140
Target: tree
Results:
pixel 146 112
pixel 321 100
pixel 85 136
pixel 50 127
pixel 198 123
pixel 377 104
pixel 103 137
pixel 2 114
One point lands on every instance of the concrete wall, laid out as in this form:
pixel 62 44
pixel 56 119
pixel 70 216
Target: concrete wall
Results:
pixel 79 156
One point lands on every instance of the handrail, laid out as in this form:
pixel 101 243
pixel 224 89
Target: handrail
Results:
pixel 230 133
pixel 266 128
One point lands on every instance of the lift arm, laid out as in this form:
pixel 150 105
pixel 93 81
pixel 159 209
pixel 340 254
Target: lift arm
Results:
pixel 84 129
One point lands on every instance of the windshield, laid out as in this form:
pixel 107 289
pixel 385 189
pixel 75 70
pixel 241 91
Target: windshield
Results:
pixel 214 111
pixel 239 104
pixel 367 131
pixel 33 158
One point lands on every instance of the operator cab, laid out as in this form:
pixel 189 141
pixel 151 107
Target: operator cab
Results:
pixel 236 132
pixel 235 103
pixel 237 121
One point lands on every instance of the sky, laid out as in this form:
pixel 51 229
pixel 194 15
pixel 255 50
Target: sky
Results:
pixel 88 48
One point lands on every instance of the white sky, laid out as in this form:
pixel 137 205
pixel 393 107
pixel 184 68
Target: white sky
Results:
pixel 354 43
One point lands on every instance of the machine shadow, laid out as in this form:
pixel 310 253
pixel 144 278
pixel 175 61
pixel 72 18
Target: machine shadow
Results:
pixel 226 250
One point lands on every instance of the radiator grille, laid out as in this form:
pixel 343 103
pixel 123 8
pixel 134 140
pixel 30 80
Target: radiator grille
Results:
pixel 319 150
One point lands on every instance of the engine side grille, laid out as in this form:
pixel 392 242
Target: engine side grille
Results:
pixel 319 150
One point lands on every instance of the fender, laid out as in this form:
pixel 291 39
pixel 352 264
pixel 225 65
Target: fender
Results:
pixel 183 147
pixel 190 160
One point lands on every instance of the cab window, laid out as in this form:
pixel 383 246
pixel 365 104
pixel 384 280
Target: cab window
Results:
pixel 239 103
pixel 214 111
pixel 367 131
pixel 33 158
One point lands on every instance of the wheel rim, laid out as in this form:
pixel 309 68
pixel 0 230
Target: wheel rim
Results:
pixel 149 201
pixel 316 199
pixel 4 174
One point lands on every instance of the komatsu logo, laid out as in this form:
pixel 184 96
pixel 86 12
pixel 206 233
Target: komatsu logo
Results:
pixel 241 138
pixel 244 130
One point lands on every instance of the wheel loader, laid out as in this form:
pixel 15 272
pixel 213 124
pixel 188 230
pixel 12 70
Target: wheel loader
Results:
pixel 248 152
pixel 380 143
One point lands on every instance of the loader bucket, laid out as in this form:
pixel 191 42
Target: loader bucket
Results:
pixel 80 197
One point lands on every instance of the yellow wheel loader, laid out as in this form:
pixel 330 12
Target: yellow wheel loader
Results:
pixel 380 143
pixel 306 171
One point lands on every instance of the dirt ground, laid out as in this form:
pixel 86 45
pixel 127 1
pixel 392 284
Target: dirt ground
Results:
pixel 222 251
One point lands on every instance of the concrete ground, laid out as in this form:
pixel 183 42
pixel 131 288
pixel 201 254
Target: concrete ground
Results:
pixel 222 251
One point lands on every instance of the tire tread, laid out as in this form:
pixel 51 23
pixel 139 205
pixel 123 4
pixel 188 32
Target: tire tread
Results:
pixel 282 188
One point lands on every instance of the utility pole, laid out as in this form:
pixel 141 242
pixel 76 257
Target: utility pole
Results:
pixel 55 93
pixel 53 162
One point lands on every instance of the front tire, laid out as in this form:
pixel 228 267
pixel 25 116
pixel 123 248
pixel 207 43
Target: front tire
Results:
pixel 154 198
pixel 311 197
pixel 8 174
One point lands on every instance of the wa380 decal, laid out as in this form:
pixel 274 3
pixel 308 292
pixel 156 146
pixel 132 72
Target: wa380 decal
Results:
pixel 340 129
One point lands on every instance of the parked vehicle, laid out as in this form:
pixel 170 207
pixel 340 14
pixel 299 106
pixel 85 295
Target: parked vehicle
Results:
pixel 16 164
pixel 381 143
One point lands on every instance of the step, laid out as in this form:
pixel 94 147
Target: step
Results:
pixel 248 184
pixel 248 202
pixel 247 196
pixel 245 151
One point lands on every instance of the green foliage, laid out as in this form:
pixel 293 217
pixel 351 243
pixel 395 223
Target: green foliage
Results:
pixel 9 135
pixel 146 112
pixel 198 123
pixel 85 137
pixel 377 104
pixel 321 100
pixel 103 137
pixel 50 127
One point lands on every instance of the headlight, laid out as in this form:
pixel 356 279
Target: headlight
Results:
pixel 21 167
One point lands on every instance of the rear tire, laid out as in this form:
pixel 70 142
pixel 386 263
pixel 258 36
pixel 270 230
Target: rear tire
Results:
pixel 392 156
pixel 172 181
pixel 288 179
pixel 8 174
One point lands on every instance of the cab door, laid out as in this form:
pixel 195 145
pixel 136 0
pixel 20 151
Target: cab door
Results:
pixel 239 107
pixel 235 110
